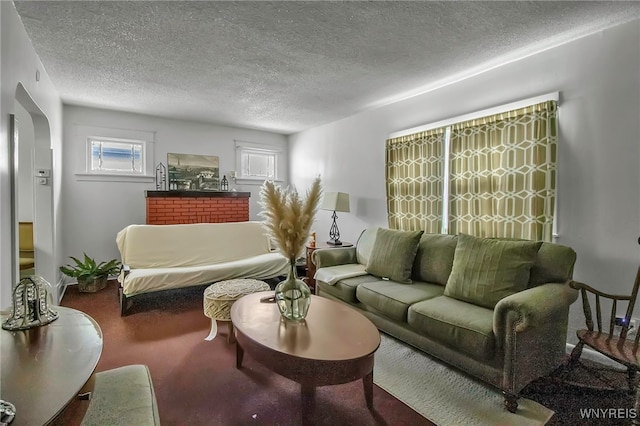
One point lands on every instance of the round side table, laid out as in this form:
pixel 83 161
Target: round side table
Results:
pixel 220 296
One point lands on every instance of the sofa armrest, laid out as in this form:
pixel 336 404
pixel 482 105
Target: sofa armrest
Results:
pixel 530 328
pixel 324 258
pixel 124 271
pixel 533 307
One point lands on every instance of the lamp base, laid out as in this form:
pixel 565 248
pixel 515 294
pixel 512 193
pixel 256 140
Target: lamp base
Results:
pixel 334 242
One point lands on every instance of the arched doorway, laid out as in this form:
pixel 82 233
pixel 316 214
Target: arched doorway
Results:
pixel 33 194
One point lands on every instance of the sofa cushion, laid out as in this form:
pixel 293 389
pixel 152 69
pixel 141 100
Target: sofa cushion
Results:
pixel 194 244
pixel 457 324
pixel 393 254
pixel 487 270
pixel 147 280
pixel 346 289
pixel 554 264
pixel 434 258
pixel 393 299
pixel 364 246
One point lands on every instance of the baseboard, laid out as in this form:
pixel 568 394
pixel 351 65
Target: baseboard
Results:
pixel 595 356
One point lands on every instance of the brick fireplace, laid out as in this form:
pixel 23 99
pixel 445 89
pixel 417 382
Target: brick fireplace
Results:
pixel 176 207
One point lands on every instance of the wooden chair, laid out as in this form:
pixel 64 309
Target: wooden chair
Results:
pixel 617 347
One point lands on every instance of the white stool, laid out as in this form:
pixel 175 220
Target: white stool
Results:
pixel 219 297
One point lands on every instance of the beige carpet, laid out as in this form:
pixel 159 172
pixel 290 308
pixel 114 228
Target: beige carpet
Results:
pixel 443 394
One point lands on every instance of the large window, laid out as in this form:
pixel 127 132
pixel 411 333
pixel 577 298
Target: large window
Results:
pixel 491 176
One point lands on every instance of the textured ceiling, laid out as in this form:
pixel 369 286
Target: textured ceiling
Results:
pixel 286 66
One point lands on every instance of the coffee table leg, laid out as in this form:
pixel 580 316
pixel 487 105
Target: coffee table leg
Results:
pixel 232 337
pixel 308 401
pixel 239 355
pixel 367 383
pixel 214 330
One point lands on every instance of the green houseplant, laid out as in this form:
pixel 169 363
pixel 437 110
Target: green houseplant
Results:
pixel 92 276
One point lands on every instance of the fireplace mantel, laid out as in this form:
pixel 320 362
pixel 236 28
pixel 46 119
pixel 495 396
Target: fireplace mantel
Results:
pixel 178 207
pixel 197 194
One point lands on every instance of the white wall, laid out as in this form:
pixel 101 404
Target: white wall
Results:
pixel 18 65
pixel 599 149
pixel 25 164
pixel 94 212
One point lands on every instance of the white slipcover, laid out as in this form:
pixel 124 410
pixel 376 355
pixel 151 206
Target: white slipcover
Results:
pixel 162 257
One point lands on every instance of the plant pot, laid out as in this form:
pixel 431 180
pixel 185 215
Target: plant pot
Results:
pixel 91 285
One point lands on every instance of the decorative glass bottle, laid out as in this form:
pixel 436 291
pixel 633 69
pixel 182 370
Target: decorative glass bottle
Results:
pixel 293 295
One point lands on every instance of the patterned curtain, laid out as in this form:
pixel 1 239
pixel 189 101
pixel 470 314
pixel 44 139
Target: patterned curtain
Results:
pixel 414 176
pixel 503 174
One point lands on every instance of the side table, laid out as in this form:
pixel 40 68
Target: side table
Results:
pixel 220 296
pixel 311 267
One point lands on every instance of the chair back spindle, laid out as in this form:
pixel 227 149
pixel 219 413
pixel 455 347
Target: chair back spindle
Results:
pixel 630 306
pixel 599 313
pixel 586 307
pixel 585 291
pixel 617 348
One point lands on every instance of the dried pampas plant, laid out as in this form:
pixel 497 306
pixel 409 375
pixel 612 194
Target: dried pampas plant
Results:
pixel 288 218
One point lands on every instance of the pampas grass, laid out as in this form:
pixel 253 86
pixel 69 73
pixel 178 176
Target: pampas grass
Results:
pixel 288 218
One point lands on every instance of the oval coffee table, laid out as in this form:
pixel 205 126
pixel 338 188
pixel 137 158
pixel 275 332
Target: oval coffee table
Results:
pixel 335 344
pixel 44 368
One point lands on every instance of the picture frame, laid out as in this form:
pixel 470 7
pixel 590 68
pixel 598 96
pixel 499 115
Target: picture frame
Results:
pixel 192 172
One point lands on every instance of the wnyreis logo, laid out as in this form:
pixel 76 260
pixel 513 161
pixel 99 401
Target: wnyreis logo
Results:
pixel 608 413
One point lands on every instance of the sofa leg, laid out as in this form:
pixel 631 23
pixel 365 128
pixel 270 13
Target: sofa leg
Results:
pixel 124 303
pixel 510 401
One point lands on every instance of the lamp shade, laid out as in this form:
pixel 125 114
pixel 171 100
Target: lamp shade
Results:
pixel 335 201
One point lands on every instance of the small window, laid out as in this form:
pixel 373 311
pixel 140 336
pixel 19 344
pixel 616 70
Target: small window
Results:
pixel 108 154
pixel 117 156
pixel 258 162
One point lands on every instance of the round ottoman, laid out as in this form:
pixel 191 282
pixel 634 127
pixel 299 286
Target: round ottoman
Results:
pixel 219 297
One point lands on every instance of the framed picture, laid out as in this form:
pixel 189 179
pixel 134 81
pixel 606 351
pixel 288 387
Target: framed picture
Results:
pixel 193 172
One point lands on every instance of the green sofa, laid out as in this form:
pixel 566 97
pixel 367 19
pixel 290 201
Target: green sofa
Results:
pixel 506 336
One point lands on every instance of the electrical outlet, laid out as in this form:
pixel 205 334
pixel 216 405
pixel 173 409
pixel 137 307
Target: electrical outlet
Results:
pixel 633 325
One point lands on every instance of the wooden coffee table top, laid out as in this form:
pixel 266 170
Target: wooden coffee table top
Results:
pixel 331 332
pixel 43 368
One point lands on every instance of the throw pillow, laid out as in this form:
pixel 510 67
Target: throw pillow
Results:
pixel 434 258
pixel 487 270
pixel 393 254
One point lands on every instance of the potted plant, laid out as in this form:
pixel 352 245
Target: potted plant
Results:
pixel 91 276
pixel 288 220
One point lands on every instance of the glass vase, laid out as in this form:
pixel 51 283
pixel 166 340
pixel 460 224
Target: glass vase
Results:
pixel 293 296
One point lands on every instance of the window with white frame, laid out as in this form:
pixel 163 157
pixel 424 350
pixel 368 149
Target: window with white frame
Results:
pixel 119 155
pixel 258 162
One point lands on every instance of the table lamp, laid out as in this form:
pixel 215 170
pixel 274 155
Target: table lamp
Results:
pixel 338 202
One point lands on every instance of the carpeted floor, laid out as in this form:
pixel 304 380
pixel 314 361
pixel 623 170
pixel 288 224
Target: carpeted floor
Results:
pixel 196 382
pixel 444 394
pixel 571 403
